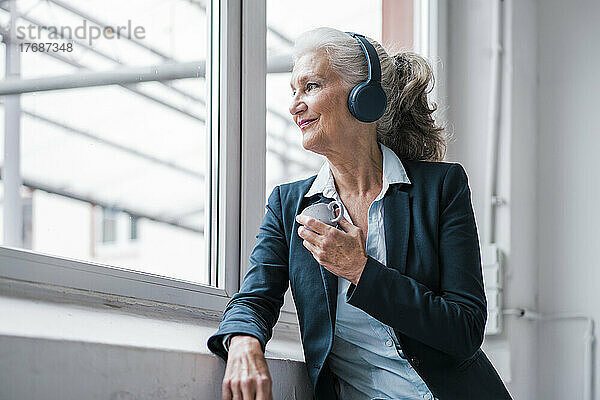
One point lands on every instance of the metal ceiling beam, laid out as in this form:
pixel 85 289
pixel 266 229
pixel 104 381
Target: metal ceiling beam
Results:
pixel 126 149
pixel 62 81
pixel 103 24
pixel 104 55
pixel 121 76
pixel 114 206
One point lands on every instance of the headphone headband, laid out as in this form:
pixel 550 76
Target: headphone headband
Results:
pixel 371 55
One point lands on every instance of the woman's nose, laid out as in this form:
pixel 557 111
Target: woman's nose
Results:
pixel 297 106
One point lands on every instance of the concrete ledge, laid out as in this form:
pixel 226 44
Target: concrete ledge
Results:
pixel 36 368
pixel 57 343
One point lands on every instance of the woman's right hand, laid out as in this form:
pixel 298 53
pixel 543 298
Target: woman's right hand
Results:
pixel 247 374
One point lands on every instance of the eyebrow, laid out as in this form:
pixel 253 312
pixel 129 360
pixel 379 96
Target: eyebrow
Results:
pixel 299 79
pixel 303 78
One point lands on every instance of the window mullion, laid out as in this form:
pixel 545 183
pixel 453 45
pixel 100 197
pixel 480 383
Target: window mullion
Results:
pixel 11 171
pixel 229 152
pixel 254 69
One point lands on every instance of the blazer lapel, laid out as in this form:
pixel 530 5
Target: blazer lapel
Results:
pixel 396 220
pixel 330 281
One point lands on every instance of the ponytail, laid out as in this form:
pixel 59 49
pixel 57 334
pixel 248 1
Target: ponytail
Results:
pixel 408 127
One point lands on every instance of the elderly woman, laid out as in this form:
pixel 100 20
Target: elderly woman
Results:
pixel 391 302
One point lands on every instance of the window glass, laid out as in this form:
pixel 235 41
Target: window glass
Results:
pixel 112 171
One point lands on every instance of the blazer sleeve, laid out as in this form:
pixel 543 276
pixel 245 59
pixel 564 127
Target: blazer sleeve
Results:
pixel 254 310
pixel 453 320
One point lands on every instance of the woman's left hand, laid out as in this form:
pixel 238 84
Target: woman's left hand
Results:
pixel 341 252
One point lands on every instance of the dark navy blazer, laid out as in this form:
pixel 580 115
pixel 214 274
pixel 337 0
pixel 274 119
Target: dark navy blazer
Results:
pixel 430 291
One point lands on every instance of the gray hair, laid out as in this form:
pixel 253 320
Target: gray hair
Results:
pixel 407 127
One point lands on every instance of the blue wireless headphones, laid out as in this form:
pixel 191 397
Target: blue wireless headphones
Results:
pixel 367 100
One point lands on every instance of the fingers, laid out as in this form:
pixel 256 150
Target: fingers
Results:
pixel 227 390
pixel 312 248
pixel 306 234
pixel 346 225
pixel 344 221
pixel 264 388
pixel 246 388
pixel 264 393
pixel 314 224
pixel 226 393
pixel 247 384
pixel 246 377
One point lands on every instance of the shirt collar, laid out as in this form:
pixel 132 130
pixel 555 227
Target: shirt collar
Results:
pixel 393 172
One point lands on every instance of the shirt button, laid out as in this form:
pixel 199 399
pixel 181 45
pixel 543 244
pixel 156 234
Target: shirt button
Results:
pixel 427 396
pixel 389 343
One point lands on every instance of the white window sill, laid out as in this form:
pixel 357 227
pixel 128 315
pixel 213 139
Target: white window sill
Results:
pixel 41 311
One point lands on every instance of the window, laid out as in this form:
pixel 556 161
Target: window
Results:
pixel 121 121
pixel 100 139
pixel 109 225
pixel 133 235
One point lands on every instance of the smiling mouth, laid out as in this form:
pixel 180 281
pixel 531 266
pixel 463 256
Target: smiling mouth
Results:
pixel 307 123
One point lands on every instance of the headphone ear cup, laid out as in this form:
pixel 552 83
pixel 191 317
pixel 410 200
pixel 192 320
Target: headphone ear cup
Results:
pixel 367 101
pixel 352 101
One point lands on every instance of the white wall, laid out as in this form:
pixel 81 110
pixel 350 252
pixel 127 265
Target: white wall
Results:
pixel 520 130
pixel 568 190
pixel 548 175
pixel 469 82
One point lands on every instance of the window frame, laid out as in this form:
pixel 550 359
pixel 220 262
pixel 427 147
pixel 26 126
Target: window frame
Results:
pixel 237 181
